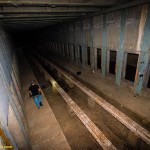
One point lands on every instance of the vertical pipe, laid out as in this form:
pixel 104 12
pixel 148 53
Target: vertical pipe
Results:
pixel 144 53
pixel 120 51
pixel 104 44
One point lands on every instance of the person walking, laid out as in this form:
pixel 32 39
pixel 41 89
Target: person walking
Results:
pixel 35 92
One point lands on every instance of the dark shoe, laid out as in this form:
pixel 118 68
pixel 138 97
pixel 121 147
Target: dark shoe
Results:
pixel 41 104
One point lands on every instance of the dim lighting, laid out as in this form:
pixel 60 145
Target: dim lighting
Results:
pixel 54 83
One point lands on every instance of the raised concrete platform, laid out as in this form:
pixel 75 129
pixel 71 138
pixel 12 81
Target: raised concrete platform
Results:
pixel 44 130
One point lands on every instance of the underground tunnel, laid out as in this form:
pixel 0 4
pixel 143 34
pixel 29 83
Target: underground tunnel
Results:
pixel 90 63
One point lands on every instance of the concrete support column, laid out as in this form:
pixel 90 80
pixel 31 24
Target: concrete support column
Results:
pixel 75 43
pixel 67 51
pixel 71 53
pixel 63 52
pixel 54 46
pixel 50 46
pixel 92 41
pixel 144 45
pixel 61 49
pixel 104 44
pixel 51 49
pixel 120 52
pixel 95 57
pixel 57 48
pixel 83 47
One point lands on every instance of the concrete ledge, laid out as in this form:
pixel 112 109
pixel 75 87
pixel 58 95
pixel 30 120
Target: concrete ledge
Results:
pixel 44 130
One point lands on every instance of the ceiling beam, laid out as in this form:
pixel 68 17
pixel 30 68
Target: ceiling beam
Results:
pixel 112 9
pixel 52 4
pixel 45 11
pixel 31 22
pixel 44 19
pixel 15 16
pixel 119 7
pixel 40 18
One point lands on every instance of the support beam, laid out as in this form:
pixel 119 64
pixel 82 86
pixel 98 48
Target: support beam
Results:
pixel 120 52
pixel 104 44
pixel 144 50
pixel 112 9
pixel 32 19
pixel 23 16
pixel 75 43
pixel 92 41
pixel 45 11
pixel 24 3
pixel 119 7
pixel 83 45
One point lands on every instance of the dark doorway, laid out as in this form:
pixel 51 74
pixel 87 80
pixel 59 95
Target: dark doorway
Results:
pixel 112 62
pixel 80 51
pixel 98 58
pixel 132 60
pixel 68 51
pixel 62 47
pixel 148 85
pixel 74 54
pixel 88 55
pixel 65 50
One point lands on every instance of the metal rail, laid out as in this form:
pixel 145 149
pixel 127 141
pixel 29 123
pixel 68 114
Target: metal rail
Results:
pixel 92 128
pixel 137 129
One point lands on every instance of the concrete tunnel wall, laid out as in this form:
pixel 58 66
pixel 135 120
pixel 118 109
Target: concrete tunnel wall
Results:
pixel 12 118
pixel 90 32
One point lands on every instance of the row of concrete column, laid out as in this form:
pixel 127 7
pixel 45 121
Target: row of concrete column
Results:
pixel 71 51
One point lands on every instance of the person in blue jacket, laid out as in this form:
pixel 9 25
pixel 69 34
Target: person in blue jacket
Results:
pixel 35 92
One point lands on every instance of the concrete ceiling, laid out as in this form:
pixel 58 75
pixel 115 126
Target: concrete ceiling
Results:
pixel 33 14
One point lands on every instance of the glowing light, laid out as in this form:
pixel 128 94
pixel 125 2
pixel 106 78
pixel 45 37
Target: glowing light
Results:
pixel 54 83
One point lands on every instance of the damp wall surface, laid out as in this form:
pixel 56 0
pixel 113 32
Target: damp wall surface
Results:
pixel 123 31
pixel 12 113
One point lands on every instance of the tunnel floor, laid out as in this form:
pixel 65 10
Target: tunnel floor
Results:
pixel 72 131
pixel 138 108
pixel 76 134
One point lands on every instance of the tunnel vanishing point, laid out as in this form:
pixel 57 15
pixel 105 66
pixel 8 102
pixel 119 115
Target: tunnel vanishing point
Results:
pixel 91 60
